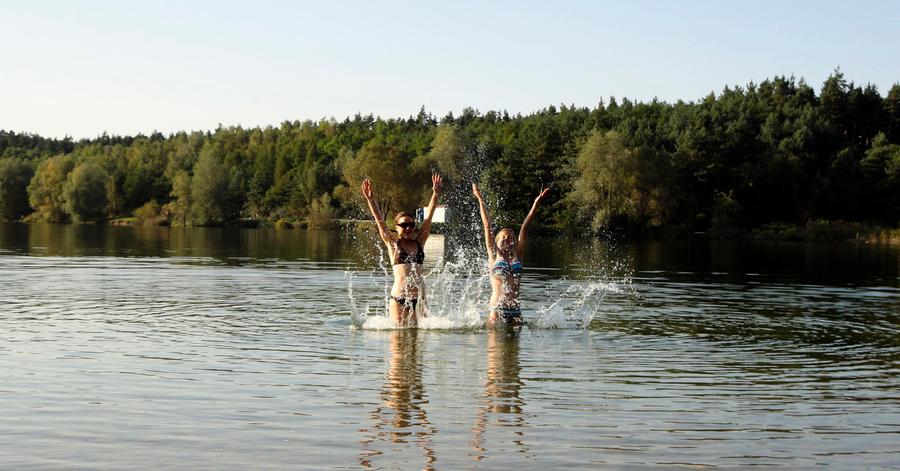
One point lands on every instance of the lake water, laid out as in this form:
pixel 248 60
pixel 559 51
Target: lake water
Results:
pixel 137 348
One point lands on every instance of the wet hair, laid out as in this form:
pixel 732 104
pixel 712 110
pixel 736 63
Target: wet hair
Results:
pixel 402 215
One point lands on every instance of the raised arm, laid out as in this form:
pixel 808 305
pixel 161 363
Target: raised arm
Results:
pixel 376 211
pixel 425 230
pixel 523 231
pixel 486 223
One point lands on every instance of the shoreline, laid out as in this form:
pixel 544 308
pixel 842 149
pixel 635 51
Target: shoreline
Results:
pixel 813 231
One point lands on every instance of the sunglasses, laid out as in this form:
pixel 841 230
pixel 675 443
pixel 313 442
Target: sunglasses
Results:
pixel 406 225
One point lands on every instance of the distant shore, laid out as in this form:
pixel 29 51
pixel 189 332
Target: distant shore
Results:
pixel 814 231
pixel 773 160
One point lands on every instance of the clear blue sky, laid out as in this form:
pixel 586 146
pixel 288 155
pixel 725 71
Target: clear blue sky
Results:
pixel 80 68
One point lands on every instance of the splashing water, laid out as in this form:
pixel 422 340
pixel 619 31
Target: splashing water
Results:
pixel 458 294
pixel 358 316
pixel 576 307
pixel 458 290
pixel 455 295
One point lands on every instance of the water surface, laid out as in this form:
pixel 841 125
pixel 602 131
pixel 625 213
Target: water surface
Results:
pixel 235 349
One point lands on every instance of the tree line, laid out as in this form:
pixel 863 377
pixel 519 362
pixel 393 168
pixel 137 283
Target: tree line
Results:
pixel 773 152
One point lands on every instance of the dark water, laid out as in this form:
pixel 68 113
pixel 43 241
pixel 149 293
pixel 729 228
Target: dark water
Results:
pixel 129 348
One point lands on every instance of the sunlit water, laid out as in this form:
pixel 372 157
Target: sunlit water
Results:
pixel 136 348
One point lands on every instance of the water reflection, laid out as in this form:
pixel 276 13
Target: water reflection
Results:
pixel 711 357
pixel 501 405
pixel 229 246
pixel 554 256
pixel 400 422
pixel 742 261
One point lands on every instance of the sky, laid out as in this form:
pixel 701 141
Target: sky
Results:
pixel 82 68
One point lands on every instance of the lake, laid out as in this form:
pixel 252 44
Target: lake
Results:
pixel 148 347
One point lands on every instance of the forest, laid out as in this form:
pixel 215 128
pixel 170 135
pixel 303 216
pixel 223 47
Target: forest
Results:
pixel 748 157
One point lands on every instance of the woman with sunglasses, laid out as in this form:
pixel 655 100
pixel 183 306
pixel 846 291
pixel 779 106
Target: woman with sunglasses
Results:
pixel 406 249
pixel 505 255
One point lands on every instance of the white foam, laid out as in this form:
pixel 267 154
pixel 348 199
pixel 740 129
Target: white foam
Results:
pixel 576 307
pixel 381 322
pixel 458 295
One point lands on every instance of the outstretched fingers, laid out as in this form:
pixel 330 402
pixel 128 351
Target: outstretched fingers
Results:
pixel 542 195
pixel 367 188
pixel 436 183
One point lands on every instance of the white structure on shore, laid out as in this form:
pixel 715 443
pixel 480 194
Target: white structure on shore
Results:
pixel 440 214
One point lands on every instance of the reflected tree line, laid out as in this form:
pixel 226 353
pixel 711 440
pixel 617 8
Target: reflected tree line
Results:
pixel 773 152
pixel 221 245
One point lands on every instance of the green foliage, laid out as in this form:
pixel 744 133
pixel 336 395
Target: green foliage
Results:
pixel 398 185
pixel 321 212
pixel 726 216
pixel 45 191
pixel 447 153
pixel 601 188
pixel 150 214
pixel 31 146
pixel 209 190
pixel 619 184
pixel 744 158
pixel 881 170
pixel 84 193
pixel 283 224
pixel 180 207
pixel 15 174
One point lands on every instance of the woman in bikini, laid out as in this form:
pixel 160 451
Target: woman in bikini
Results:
pixel 505 255
pixel 406 249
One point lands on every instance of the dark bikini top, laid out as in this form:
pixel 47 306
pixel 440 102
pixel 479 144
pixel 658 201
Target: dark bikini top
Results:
pixel 402 256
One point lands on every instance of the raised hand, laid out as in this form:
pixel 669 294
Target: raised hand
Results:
pixel 541 196
pixel 437 183
pixel 367 189
pixel 476 192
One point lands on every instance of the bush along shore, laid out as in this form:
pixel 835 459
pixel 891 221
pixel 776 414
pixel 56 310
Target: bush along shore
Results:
pixel 777 159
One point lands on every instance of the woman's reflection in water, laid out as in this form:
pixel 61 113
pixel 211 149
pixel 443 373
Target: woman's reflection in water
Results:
pixel 400 419
pixel 501 405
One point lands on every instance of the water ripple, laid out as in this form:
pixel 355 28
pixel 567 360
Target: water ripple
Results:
pixel 199 362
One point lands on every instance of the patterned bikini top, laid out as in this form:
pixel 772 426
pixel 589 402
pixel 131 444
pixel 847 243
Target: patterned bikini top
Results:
pixel 502 268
